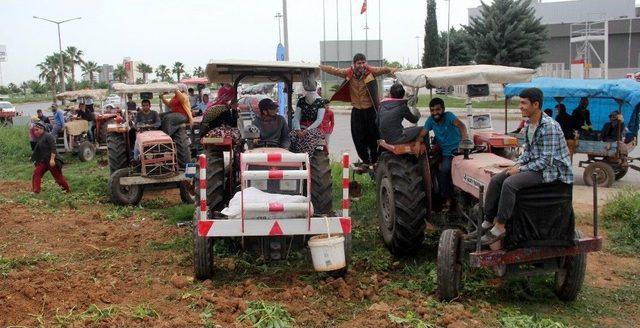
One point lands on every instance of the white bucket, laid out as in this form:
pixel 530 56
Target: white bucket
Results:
pixel 327 252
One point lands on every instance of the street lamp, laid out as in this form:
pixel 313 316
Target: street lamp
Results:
pixel 279 16
pixel 59 45
pixel 448 27
pixel 418 49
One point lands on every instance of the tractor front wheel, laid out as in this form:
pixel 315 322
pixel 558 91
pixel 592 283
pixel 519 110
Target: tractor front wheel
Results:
pixel 449 264
pixel 569 280
pixel 604 174
pixel 86 151
pixel 121 194
pixel 117 151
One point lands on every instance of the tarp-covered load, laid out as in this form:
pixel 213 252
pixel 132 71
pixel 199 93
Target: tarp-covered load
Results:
pixel 439 77
pixel 149 87
pixel 95 94
pixel 604 97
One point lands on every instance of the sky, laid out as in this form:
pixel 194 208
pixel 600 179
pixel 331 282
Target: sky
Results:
pixel 196 31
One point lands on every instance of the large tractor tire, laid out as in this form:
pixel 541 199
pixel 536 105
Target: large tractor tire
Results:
pixel 86 151
pixel 605 176
pixel 401 200
pixel 568 282
pixel 449 264
pixel 124 195
pixel 188 191
pixel 202 254
pixel 117 151
pixel 183 153
pixel 321 183
pixel 215 180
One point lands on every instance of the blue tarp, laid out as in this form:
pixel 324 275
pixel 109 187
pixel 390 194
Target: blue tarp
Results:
pixel 602 96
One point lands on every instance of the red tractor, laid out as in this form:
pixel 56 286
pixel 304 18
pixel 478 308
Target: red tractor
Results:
pixel 407 200
pixel 162 159
pixel 235 165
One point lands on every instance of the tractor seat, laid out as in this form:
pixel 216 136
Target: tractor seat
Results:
pixel 399 149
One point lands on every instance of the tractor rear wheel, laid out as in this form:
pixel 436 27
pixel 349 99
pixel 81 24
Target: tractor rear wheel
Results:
pixel 401 200
pixel 604 174
pixel 124 195
pixel 187 191
pixel 117 151
pixel 86 151
pixel 202 253
pixel 215 180
pixel 183 153
pixel 321 183
pixel 449 264
pixel 569 280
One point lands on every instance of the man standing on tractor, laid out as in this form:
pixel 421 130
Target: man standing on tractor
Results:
pixel 180 110
pixel 566 124
pixel 273 128
pixel 545 159
pixel 449 131
pixel 45 158
pixel 361 89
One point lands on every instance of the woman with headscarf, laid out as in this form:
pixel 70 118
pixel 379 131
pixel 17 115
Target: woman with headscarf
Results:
pixel 45 158
pixel 306 135
pixel 180 110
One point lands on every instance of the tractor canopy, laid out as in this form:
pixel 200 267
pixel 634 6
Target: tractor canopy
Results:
pixel 95 94
pixel 604 97
pixel 159 87
pixel 445 76
pixel 234 71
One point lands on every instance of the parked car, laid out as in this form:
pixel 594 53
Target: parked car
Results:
pixel 250 102
pixel 7 112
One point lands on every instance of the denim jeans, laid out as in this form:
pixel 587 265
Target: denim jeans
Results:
pixel 444 177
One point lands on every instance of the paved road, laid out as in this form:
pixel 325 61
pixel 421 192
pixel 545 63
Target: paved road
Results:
pixel 341 141
pixel 29 109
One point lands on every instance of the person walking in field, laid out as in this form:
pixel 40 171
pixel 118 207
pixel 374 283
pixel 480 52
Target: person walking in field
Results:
pixel 45 158
pixel 361 89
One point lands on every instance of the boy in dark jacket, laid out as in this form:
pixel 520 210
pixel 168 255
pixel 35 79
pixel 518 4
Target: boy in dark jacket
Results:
pixel 392 112
pixel 45 159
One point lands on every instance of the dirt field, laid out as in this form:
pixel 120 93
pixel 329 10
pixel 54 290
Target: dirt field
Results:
pixel 80 264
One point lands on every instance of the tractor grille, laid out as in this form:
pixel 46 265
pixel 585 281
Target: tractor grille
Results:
pixel 158 160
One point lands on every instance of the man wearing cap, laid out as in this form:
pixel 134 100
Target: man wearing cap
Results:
pixel 361 89
pixel 273 127
pixel 45 158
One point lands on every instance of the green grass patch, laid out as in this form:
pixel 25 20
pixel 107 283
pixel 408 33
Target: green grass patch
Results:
pixel 8 265
pixel 514 319
pixel 95 313
pixel 410 319
pixel 266 315
pixel 143 311
pixel 182 244
pixel 621 217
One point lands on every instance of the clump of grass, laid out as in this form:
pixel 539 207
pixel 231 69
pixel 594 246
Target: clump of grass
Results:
pixel 622 219
pixel 419 278
pixel 120 212
pixel 94 313
pixel 143 311
pixel 410 319
pixel 178 213
pixel 8 265
pixel 513 319
pixel 181 244
pixel 263 315
pixel 64 319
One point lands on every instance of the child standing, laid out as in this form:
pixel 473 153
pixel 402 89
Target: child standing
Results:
pixel 328 122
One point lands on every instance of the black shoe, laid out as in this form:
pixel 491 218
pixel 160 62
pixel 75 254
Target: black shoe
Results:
pixel 476 233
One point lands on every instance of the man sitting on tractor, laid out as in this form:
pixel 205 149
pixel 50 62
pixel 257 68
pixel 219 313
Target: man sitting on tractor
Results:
pixel 146 116
pixel 448 131
pixel 614 129
pixel 582 118
pixel 545 159
pixel 273 128
pixel 392 112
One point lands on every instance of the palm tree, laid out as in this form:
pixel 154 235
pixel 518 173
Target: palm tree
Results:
pixel 198 72
pixel 163 72
pixel 178 68
pixel 144 69
pixel 49 71
pixel 24 86
pixel 75 57
pixel 119 74
pixel 90 68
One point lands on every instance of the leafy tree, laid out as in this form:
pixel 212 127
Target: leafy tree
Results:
pixel 144 69
pixel 90 68
pixel 178 69
pixel 49 71
pixel 13 88
pixel 119 73
pixel 24 86
pixel 163 72
pixel 198 72
pixel 75 58
pixel 395 64
pixel 459 54
pixel 36 87
pixel 432 55
pixel 140 81
pixel 507 33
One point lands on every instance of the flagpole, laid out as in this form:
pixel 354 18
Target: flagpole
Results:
pixel 286 29
pixel 380 31
pixel 366 30
pixel 351 27
pixel 337 34
pixel 324 36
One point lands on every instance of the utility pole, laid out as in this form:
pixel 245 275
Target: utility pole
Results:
pixel 59 45
pixel 337 34
pixel 279 16
pixel 418 47
pixel 286 30
pixel 448 27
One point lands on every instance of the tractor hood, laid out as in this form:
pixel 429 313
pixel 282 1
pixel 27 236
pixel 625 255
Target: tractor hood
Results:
pixel 470 174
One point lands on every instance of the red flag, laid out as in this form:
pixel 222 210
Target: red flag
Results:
pixel 364 7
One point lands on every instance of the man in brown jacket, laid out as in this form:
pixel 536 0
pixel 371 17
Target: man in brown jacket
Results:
pixel 360 88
